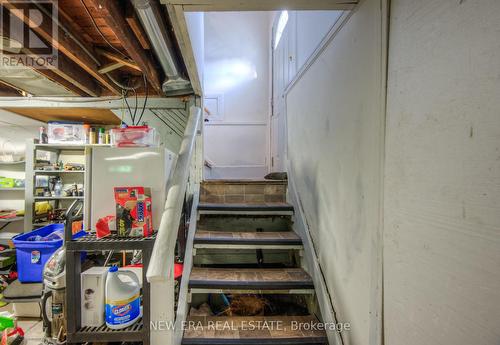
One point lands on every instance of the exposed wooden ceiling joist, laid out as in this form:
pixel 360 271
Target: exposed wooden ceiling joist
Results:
pixel 77 52
pixel 115 19
pixel 71 72
pixel 52 74
pixel 97 116
pixel 67 74
pixel 136 26
pixel 117 58
pixel 98 110
pixel 110 67
pixel 71 76
pixel 9 90
pixel 72 25
pixel 261 5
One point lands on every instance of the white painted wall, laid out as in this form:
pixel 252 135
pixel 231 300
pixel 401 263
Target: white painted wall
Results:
pixel 195 22
pixel 311 28
pixel 237 48
pixel 335 124
pixel 292 51
pixel 442 197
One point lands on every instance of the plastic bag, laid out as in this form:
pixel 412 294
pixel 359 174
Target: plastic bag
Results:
pixel 105 225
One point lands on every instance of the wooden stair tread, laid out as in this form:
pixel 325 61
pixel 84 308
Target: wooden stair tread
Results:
pixel 244 181
pixel 248 207
pixel 243 237
pixel 250 278
pixel 229 330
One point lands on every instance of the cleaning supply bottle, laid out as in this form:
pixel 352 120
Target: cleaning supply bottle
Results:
pixel 123 301
pixel 58 187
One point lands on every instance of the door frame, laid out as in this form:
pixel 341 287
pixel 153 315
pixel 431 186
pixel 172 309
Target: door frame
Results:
pixel 290 70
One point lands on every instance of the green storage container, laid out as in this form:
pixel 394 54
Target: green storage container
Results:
pixel 6 182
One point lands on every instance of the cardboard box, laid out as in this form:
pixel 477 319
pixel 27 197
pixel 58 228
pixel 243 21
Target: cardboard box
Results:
pixel 133 211
pixel 93 296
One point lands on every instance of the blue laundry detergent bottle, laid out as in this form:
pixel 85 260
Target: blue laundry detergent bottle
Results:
pixel 123 299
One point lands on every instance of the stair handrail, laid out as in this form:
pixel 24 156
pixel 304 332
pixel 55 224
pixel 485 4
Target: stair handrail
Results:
pixel 162 258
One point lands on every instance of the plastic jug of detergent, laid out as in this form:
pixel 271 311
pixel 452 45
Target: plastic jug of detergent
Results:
pixel 123 299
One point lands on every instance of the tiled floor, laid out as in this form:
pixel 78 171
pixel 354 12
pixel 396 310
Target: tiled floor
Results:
pixel 32 327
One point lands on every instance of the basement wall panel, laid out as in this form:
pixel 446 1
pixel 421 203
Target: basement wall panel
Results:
pixel 442 195
pixel 312 27
pixel 335 136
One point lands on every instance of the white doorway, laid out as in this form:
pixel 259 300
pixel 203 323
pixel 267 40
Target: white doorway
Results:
pixel 237 94
pixel 283 67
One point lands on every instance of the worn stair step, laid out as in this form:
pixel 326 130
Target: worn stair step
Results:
pixel 245 223
pixel 253 330
pixel 247 240
pixel 249 279
pixel 271 208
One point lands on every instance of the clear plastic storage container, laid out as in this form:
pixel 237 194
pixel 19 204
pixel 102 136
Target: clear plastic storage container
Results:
pixel 134 136
pixel 66 133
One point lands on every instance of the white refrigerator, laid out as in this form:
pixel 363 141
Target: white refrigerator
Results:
pixel 122 167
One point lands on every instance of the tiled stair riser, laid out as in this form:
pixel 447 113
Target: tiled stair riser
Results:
pixel 241 192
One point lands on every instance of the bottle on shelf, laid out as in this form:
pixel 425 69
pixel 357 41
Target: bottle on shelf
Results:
pixel 58 187
pixel 92 136
pixel 86 130
pixel 101 135
pixel 43 137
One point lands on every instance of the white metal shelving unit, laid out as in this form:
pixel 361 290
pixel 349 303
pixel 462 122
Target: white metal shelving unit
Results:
pixel 81 176
pixel 53 172
pixel 12 163
pixel 13 192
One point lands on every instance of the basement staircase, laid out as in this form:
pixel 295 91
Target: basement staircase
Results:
pixel 247 284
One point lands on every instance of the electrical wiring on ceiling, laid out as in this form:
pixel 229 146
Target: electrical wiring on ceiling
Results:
pixel 125 88
pixel 100 32
pixel 145 99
